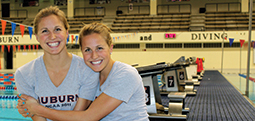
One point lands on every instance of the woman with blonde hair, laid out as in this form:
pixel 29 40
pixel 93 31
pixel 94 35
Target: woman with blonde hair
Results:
pixel 58 79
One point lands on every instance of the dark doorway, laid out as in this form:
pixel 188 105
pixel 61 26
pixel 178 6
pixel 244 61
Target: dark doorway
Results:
pixel 8 55
pixel 8 58
pixel 5 9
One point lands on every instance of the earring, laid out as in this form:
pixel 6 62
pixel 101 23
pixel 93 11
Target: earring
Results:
pixel 110 53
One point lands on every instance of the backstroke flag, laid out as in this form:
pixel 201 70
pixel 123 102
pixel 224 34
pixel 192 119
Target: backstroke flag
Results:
pixel 3 26
pixel 30 30
pixel 231 41
pixel 22 28
pixel 13 27
pixel 241 42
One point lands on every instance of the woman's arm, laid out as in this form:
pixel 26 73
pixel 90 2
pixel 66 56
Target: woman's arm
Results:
pixel 33 117
pixel 25 87
pixel 23 112
pixel 38 118
pixel 82 104
pixel 101 107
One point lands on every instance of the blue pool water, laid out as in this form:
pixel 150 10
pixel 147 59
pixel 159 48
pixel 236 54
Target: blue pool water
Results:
pixel 8 110
pixel 240 83
pixel 11 114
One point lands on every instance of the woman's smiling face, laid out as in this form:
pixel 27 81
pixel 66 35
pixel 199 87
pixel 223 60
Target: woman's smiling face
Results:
pixel 96 52
pixel 52 34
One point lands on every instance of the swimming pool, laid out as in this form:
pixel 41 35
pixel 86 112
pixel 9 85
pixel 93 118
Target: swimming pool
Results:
pixel 240 84
pixel 11 114
pixel 8 103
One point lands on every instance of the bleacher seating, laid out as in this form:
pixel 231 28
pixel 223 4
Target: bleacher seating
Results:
pixel 168 22
pixel 228 20
pixel 78 21
pixel 133 14
pixel 165 20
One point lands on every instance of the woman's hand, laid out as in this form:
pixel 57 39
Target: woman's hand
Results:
pixel 26 105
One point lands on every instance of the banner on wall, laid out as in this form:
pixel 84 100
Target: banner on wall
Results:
pixel 214 36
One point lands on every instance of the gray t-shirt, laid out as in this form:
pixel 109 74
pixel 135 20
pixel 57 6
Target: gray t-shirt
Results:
pixel 125 84
pixel 32 79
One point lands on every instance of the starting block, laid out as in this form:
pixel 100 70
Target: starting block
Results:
pixel 153 99
pixel 187 84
